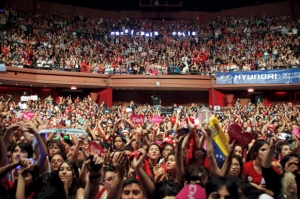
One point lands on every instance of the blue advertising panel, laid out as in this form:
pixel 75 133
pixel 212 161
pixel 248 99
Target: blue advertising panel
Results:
pixel 2 68
pixel 260 77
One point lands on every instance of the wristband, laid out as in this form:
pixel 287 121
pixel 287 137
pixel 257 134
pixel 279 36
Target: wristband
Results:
pixel 95 179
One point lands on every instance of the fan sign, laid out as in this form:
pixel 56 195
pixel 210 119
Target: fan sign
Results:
pixel 242 138
pixel 94 148
pixel 137 119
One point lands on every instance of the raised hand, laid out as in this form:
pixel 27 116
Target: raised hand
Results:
pixel 26 169
pixel 23 162
pixel 121 163
pixel 231 145
pixel 179 138
pixel 207 133
pixel 14 127
pixel 30 127
pixel 139 157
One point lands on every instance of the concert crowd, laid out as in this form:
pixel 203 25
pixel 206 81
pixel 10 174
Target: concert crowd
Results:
pixel 116 156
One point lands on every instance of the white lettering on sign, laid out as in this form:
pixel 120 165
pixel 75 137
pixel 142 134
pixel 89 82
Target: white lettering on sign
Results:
pixel 137 120
pixel 192 191
pixel 255 76
pixel 237 135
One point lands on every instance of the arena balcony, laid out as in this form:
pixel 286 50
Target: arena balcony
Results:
pixel 115 88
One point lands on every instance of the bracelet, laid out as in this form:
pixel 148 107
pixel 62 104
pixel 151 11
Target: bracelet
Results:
pixel 94 179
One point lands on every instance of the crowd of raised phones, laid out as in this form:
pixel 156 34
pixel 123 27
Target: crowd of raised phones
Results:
pixel 73 42
pixel 117 159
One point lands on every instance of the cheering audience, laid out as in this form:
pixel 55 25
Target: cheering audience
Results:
pixel 58 41
pixel 241 152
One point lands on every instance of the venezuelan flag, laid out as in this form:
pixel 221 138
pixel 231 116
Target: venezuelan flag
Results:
pixel 219 141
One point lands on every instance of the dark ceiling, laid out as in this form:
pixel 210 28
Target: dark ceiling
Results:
pixel 187 5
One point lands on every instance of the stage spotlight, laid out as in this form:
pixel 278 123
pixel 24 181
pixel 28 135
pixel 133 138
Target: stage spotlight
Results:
pixel 117 33
pixel 126 31
pixel 174 33
pixel 142 33
pixel 112 33
pixel 147 35
pixel 179 33
pixel 156 33
pixel 131 32
pixel 193 33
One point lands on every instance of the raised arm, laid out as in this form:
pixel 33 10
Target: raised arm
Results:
pixel 177 120
pixel 210 150
pixel 91 186
pixel 41 145
pixel 20 192
pixel 146 183
pixel 8 136
pixel 116 190
pixel 3 157
pixel 179 159
pixel 267 160
pixel 227 163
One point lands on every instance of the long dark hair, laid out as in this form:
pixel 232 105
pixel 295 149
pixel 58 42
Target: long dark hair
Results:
pixel 75 182
pixel 216 182
pixel 166 188
pixel 253 152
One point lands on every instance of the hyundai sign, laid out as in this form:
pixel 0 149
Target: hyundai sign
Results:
pixel 260 77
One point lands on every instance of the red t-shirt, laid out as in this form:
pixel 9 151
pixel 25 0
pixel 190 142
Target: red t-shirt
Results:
pixel 251 175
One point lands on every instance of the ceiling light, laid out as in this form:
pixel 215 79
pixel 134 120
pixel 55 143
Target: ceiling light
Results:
pixel 250 90
pixel 73 88
pixel 16 84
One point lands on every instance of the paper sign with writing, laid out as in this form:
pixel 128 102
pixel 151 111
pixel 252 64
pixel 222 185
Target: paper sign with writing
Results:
pixel 33 97
pixel 27 98
pixel 242 138
pixel 94 148
pixel 28 115
pixel 137 119
pixel 156 119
